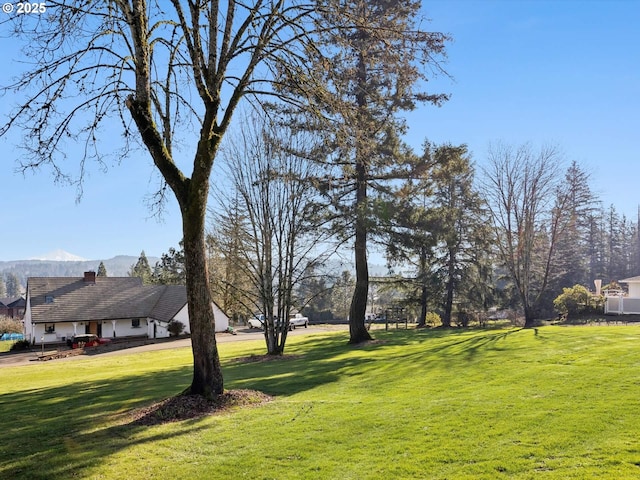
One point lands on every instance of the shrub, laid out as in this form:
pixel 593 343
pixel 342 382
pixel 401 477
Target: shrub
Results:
pixel 433 319
pixel 572 301
pixel 20 345
pixel 10 325
pixel 175 328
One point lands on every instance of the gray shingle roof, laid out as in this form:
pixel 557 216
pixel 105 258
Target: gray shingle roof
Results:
pixel 172 299
pixel 71 299
pixel 12 301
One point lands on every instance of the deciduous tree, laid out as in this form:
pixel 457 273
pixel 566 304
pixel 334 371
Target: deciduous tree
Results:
pixel 526 199
pixel 271 188
pixel 171 75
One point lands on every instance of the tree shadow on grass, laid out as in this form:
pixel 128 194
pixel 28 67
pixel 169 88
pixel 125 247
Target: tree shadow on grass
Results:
pixel 469 346
pixel 58 432
pixel 67 432
pixel 310 363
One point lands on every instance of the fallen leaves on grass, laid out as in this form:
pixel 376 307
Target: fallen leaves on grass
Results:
pixel 185 407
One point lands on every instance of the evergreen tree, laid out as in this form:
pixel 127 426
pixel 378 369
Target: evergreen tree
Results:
pixel 12 285
pixel 170 269
pixel 572 257
pixel 615 246
pixel 459 228
pixel 410 234
pixel 3 289
pixel 369 70
pixel 314 293
pixel 102 270
pixel 596 241
pixel 439 228
pixel 142 269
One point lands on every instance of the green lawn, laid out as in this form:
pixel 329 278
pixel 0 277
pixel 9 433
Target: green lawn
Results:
pixel 554 402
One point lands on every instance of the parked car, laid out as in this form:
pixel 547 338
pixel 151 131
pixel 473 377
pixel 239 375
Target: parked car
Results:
pixel 86 340
pixel 298 320
pixel 294 321
pixel 257 321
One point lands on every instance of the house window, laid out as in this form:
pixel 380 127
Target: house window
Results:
pixel 135 323
pixel 48 299
pixel 49 328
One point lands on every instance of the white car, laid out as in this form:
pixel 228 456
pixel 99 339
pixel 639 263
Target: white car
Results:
pixel 298 320
pixel 256 322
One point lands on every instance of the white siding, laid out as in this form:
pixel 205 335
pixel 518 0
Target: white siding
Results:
pixel 222 321
pixel 634 290
pixel 125 329
pixel 183 316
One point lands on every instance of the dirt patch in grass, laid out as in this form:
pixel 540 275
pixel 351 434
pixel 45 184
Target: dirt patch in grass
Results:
pixel 184 407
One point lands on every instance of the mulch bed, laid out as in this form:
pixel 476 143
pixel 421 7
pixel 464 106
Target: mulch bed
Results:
pixel 185 407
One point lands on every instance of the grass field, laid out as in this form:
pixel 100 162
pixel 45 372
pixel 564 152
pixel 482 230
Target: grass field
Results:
pixel 546 403
pixel 5 346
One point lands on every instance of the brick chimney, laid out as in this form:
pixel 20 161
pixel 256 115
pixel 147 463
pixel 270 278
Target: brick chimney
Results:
pixel 89 277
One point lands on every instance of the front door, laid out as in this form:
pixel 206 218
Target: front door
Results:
pixel 94 328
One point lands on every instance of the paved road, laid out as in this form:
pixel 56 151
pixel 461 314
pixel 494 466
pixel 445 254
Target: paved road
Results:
pixel 31 358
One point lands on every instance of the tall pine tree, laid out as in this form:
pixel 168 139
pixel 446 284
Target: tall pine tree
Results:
pixel 370 70
pixel 141 269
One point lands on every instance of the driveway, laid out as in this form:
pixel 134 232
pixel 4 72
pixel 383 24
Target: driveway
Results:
pixel 243 334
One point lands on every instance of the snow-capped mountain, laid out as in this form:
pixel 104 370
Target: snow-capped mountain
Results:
pixel 59 255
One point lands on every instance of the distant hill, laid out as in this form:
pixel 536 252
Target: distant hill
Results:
pixel 117 266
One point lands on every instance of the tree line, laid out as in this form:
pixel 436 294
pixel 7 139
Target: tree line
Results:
pixel 457 242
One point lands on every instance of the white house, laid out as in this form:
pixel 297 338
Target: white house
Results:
pixel 60 307
pixel 617 302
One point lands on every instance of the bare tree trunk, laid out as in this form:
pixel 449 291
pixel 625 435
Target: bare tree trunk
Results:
pixel 207 373
pixel 529 316
pixel 357 329
pixel 450 287
pixel 422 321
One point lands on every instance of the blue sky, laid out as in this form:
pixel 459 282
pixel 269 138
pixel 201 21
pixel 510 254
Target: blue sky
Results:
pixel 562 72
